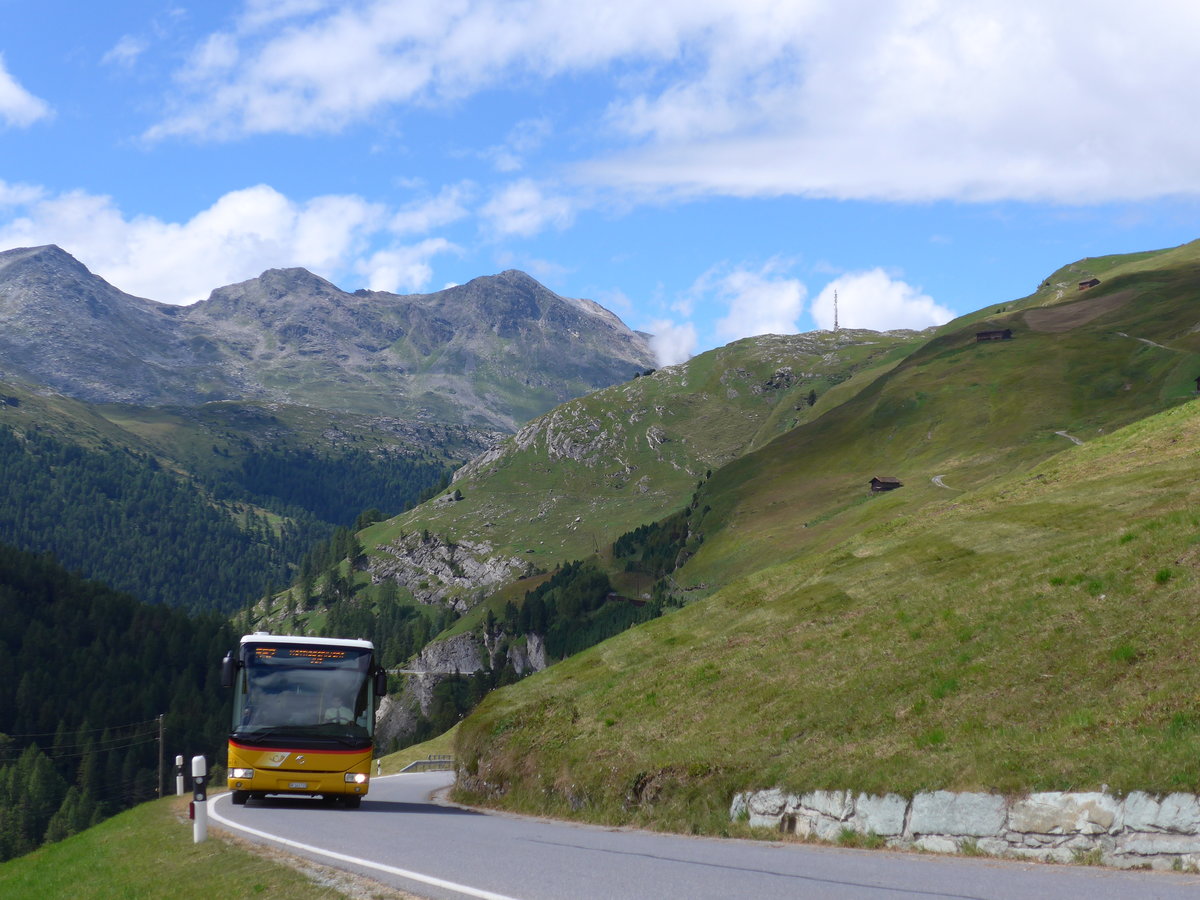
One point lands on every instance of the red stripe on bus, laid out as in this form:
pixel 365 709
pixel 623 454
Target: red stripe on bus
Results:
pixel 297 750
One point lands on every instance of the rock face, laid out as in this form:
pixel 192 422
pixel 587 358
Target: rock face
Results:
pixel 467 653
pixel 462 654
pixel 438 571
pixel 1134 831
pixel 492 353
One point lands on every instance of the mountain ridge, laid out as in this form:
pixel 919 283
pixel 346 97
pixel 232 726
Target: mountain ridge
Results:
pixel 491 353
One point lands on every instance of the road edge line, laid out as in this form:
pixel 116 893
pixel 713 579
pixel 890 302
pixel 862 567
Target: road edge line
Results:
pixel 432 880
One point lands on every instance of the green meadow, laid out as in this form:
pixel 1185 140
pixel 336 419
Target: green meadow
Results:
pixel 1025 622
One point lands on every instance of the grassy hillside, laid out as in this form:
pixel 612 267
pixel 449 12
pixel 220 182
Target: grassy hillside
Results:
pixel 573 480
pixel 965 411
pixel 1036 634
pixel 788 476
pixel 1024 622
pixel 148 852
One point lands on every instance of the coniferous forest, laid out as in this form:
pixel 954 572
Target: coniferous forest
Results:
pixel 204 544
pixel 88 672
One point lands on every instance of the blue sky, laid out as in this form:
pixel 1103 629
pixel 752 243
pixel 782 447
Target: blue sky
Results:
pixel 707 169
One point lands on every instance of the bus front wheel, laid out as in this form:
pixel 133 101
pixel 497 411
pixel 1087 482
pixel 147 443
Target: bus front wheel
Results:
pixel 239 797
pixel 352 801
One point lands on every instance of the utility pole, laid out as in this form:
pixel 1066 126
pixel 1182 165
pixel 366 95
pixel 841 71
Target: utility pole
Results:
pixel 835 311
pixel 160 754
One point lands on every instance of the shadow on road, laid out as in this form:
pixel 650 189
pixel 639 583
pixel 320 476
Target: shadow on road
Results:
pixel 368 805
pixel 397 806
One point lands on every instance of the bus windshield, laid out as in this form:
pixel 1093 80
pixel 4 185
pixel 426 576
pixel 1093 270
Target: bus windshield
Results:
pixel 303 690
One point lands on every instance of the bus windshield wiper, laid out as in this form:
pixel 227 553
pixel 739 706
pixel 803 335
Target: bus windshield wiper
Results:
pixel 295 732
pixel 257 733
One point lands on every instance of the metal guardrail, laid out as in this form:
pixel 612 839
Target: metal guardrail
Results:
pixel 435 762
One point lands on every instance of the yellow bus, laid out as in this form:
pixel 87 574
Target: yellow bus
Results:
pixel 303 716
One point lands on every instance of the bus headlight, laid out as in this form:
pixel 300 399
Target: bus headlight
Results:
pixel 241 773
pixel 356 778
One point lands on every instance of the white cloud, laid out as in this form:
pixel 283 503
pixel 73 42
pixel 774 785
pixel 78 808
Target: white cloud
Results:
pixel 874 300
pixel 759 302
pixel 403 269
pixel 928 99
pixel 672 342
pixel 524 138
pixel 522 209
pixel 260 14
pixel 19 194
pixel 243 233
pixel 902 100
pixel 213 57
pixel 125 51
pixel 428 213
pixel 321 66
pixel 18 107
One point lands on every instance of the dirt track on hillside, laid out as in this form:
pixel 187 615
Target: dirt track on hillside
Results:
pixel 1071 315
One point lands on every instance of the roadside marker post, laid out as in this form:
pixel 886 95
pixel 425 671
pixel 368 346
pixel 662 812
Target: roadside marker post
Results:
pixel 179 776
pixel 200 799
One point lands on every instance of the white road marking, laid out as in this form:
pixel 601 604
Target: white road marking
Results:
pixel 356 861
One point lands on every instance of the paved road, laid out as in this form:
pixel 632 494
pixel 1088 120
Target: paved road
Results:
pixel 401 838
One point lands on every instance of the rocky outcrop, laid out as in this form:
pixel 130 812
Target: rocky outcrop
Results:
pixel 528 655
pixel 1130 832
pixel 438 571
pixel 462 654
pixel 468 653
pixel 396 720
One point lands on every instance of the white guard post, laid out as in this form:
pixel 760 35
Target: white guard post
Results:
pixel 179 776
pixel 199 799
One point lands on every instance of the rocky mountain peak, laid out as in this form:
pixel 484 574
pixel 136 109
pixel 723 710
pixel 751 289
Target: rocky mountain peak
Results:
pixel 493 353
pixel 46 281
pixel 42 271
pixel 43 256
pixel 294 287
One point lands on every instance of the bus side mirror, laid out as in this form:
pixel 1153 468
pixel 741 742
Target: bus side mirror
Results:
pixel 381 682
pixel 229 669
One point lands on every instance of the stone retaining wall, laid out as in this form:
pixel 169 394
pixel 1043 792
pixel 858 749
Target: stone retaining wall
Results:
pixel 1137 830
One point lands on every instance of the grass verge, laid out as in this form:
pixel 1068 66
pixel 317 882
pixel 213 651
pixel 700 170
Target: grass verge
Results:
pixel 148 852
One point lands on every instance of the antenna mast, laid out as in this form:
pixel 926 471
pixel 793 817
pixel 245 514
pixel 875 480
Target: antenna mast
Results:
pixel 835 316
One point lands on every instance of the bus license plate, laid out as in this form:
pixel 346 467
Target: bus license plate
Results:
pixel 298 784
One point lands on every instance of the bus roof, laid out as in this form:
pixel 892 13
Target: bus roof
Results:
pixel 264 637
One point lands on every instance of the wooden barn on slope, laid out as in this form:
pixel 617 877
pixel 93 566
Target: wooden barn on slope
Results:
pixel 886 483
pixel 1005 335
